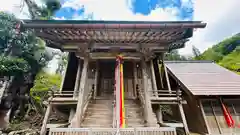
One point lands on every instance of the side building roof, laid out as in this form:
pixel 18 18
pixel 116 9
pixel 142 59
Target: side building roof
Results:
pixel 204 77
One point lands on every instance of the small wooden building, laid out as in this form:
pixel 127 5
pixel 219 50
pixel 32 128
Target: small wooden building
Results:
pixel 207 86
pixel 89 91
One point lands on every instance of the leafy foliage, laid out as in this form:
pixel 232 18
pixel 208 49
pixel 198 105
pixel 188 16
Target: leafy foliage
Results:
pixel 222 49
pixel 43 83
pixel 43 12
pixel 10 66
pixel 24 48
pixel 174 55
pixel 196 53
pixel 225 53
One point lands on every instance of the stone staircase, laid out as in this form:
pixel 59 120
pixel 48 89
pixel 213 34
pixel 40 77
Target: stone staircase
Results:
pixel 133 114
pixel 98 114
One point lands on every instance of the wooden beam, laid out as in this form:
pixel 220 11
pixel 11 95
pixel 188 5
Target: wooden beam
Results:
pixel 45 120
pixel 204 117
pixel 109 58
pixel 183 118
pixel 169 102
pixel 77 119
pixel 96 44
pixel 96 80
pixel 166 75
pixel 160 74
pixel 214 114
pixel 135 81
pixel 153 78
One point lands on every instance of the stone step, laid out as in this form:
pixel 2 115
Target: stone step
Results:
pixel 134 114
pixel 92 120
pixel 132 120
pixel 135 125
pixel 98 115
pixel 98 109
pixel 137 116
pixel 100 105
pixel 96 125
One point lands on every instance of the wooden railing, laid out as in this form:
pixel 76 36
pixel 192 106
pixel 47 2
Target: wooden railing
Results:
pixel 61 93
pixel 162 93
pixel 113 131
pixel 165 94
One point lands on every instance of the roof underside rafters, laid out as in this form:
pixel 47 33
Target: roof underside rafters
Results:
pixel 112 35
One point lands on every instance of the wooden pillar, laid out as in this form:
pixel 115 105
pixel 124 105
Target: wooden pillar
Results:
pixel 77 118
pixel 183 118
pixel 214 114
pixel 161 74
pixel 135 81
pixel 204 117
pixel 118 100
pixel 167 78
pixel 159 114
pixel 71 114
pixel 96 80
pixel 45 120
pixel 154 79
pixel 147 100
pixel 77 82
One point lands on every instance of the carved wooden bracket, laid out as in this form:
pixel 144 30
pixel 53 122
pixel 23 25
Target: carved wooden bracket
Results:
pixel 146 53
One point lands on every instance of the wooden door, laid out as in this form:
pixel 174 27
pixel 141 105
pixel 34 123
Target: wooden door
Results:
pixel 128 80
pixel 106 78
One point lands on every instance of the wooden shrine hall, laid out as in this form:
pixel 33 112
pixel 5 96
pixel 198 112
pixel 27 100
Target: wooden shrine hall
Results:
pixel 116 80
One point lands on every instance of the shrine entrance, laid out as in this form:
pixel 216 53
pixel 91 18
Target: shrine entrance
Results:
pixel 107 76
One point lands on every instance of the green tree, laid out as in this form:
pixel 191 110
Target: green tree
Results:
pixel 43 12
pixel 44 82
pixel 22 56
pixel 196 53
pixel 62 62
pixel 174 55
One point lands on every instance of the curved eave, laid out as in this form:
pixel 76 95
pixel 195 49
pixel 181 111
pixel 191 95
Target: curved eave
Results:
pixel 111 24
pixel 154 34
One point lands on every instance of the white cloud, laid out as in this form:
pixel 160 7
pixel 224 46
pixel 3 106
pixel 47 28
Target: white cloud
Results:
pixel 222 20
pixel 17 7
pixel 118 10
